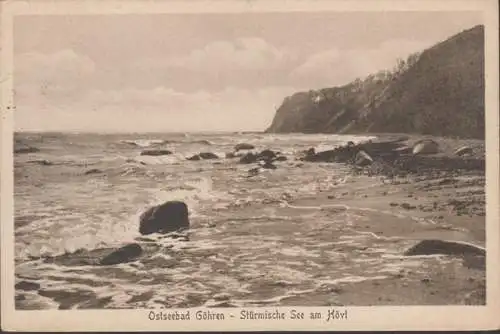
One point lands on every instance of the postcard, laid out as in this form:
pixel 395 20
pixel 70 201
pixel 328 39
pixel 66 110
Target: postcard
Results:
pixel 249 165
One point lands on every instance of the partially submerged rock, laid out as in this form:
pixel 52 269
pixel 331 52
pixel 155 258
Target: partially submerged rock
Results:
pixel 22 148
pixel 122 255
pixel 195 157
pixel 243 146
pixel 27 286
pixel 156 152
pixel 203 156
pixel 165 218
pixel 42 162
pixel 434 246
pixel 208 155
pixel 267 155
pixel 425 146
pixel 464 150
pixel 93 171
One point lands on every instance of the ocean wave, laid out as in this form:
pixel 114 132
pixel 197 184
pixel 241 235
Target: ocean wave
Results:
pixel 144 142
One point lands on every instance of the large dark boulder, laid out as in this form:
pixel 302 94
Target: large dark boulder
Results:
pixel 429 247
pixel 122 255
pixel 165 218
pixel 156 152
pixel 27 286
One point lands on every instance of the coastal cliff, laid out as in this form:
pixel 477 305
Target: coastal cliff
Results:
pixel 439 92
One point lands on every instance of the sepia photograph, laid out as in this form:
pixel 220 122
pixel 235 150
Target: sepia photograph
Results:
pixel 249 160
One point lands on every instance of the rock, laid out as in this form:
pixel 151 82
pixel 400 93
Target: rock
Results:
pixel 407 206
pixel 243 146
pixel 222 296
pixel 231 155
pixel 269 165
pixel 425 146
pixel 208 155
pixel 464 150
pixel 42 162
pixel 267 155
pixel 122 255
pixel 93 171
pixel 281 158
pixel 428 247
pixel 27 286
pixel 248 158
pixel 195 157
pixel 363 159
pixel 25 149
pixel 156 152
pixel 165 218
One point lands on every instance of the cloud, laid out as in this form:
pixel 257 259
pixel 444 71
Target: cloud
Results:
pixel 57 73
pixel 240 54
pixel 248 62
pixel 337 67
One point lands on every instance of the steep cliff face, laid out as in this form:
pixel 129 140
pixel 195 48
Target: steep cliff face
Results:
pixel 438 92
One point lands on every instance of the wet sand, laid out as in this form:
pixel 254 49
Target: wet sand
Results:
pixel 438 202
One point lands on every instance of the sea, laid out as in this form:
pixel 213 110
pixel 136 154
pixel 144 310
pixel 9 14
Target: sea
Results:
pixel 248 244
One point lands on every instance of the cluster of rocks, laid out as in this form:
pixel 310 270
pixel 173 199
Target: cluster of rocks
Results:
pixel 397 157
pixel 264 159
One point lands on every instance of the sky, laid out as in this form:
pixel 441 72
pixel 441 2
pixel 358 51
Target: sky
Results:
pixel 201 72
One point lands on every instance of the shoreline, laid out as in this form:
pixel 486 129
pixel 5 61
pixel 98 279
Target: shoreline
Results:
pixel 396 208
pixel 431 197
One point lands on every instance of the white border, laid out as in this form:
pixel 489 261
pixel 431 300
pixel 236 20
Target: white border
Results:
pixel 360 318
